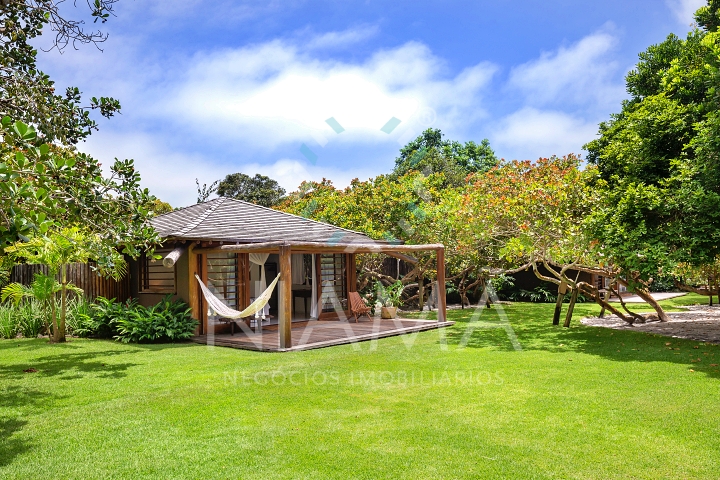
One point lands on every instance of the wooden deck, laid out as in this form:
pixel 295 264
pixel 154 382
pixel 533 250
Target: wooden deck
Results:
pixel 311 334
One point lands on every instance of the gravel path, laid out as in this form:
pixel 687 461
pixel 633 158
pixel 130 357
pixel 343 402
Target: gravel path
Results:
pixel 697 323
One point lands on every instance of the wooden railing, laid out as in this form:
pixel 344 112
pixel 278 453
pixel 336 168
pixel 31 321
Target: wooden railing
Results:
pixel 81 275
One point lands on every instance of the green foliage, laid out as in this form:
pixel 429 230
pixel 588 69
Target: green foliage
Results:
pixel 103 316
pixel 524 212
pixel 708 17
pixel 165 322
pixel 159 207
pixel 390 295
pixel 541 294
pixel 429 153
pixel 28 318
pixel 658 159
pixel 57 251
pixel 260 190
pixel 46 187
pixel 9 327
pixel 29 95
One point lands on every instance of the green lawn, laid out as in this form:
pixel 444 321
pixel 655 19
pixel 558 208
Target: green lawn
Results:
pixel 574 403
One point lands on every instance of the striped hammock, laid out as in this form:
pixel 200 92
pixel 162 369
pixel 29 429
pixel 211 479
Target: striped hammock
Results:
pixel 217 305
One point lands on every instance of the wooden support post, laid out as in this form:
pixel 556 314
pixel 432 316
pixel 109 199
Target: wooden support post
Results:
pixel 562 289
pixel 194 289
pixel 285 297
pixel 441 298
pixel 573 299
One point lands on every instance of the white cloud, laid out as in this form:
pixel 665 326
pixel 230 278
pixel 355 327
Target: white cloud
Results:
pixel 342 39
pixel 684 10
pixel 582 74
pixel 530 133
pixel 580 78
pixel 275 92
pixel 170 174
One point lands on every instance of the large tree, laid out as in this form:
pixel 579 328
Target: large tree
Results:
pixel 46 187
pixel 430 153
pixel 45 183
pixel 658 158
pixel 29 95
pixel 260 190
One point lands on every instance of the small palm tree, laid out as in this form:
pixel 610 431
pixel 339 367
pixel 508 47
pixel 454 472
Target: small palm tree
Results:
pixel 57 251
pixel 44 289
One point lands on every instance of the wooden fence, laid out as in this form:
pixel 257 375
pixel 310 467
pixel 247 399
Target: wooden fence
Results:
pixel 81 275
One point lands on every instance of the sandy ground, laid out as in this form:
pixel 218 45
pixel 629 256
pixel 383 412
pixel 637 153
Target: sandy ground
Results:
pixel 656 296
pixel 697 323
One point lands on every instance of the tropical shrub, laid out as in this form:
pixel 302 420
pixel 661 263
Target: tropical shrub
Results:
pixel 26 319
pixel 167 321
pixel 391 295
pixel 8 324
pixel 104 315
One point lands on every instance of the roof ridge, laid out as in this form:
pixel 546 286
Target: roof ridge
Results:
pixel 217 202
pixel 298 216
pixel 180 209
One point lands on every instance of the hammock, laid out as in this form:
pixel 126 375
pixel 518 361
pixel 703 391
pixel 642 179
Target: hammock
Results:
pixel 223 310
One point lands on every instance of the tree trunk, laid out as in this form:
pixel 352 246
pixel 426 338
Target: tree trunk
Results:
pixel 594 293
pixel 421 291
pixel 60 334
pixel 53 319
pixel 606 299
pixel 571 307
pixel 711 292
pixel 488 300
pixel 635 316
pixel 562 289
pixel 645 295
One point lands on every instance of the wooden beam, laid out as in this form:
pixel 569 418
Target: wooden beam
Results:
pixel 441 295
pixel 285 298
pixel 172 257
pixel 322 247
pixel 243 247
pixel 351 265
pixel 193 288
pixel 202 268
pixel 405 258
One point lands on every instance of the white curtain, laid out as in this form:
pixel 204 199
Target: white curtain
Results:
pixel 313 300
pixel 260 259
pixel 298 269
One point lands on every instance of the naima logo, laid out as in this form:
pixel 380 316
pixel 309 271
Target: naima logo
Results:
pixel 422 119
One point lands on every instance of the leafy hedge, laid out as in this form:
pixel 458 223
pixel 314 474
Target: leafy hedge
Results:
pixel 127 322
pixel 130 322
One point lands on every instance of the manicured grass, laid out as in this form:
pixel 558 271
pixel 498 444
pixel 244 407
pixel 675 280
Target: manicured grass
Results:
pixel 574 403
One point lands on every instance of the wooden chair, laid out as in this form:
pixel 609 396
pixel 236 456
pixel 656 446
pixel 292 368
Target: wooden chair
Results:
pixel 358 306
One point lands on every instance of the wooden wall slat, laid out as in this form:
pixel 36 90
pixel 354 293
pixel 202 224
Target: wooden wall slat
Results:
pixel 81 275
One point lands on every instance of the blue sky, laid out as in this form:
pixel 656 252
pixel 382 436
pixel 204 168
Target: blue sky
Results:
pixel 212 88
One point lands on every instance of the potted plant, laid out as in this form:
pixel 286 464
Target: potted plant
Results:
pixel 389 297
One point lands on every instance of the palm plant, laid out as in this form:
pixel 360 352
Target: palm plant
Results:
pixel 57 251
pixel 44 289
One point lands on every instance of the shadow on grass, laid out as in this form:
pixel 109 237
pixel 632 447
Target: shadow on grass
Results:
pixel 163 346
pixel 533 327
pixel 11 446
pixel 12 399
pixel 70 365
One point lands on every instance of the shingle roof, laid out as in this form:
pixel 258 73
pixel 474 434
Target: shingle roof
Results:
pixel 230 220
